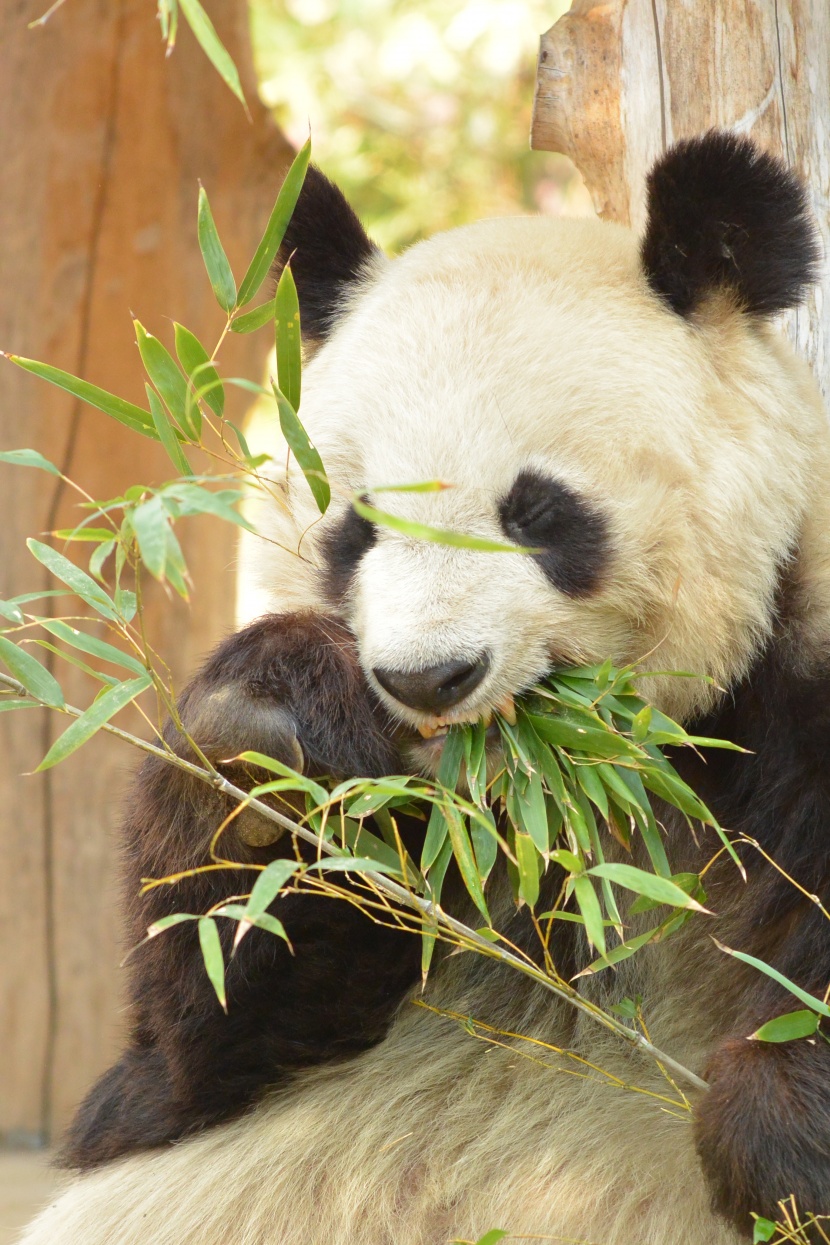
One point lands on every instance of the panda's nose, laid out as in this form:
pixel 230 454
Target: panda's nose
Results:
pixel 435 688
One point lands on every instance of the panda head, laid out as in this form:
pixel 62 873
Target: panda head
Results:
pixel 624 407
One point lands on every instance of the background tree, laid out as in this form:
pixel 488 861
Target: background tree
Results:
pixel 619 82
pixel 102 141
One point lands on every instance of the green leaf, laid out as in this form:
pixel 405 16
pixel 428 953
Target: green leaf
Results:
pixel 213 253
pixel 196 363
pixel 203 28
pixel 318 793
pixel 463 851
pixel 268 885
pixel 621 952
pixel 167 922
pixel 764 1230
pixel 34 677
pixel 250 321
pixel 150 524
pixel 82 585
pixel 308 459
pixel 355 864
pixel 586 898
pixel 167 436
pixel 787 1028
pixel 125 412
pixel 534 814
pixel 275 229
pixel 28 458
pixel 11 611
pixel 169 380
pixel 212 955
pixel 492 1237
pixel 437 535
pixel 92 719
pixel 528 860
pixel 660 889
pixel 92 645
pixel 287 331
pixel 11 702
pixel 816 1005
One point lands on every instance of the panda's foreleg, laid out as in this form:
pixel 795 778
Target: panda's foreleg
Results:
pixel 763 1129
pixel 289 686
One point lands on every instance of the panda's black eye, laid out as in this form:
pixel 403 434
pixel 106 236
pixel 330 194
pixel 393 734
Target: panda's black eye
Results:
pixel 342 547
pixel 571 532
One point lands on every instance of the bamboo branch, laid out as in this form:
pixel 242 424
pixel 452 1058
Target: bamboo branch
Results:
pixel 432 912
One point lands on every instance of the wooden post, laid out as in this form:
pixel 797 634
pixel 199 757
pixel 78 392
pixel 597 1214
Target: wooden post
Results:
pixel 618 82
pixel 102 143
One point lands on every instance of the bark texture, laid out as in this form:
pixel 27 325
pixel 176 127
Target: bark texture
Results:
pixel 619 82
pixel 102 144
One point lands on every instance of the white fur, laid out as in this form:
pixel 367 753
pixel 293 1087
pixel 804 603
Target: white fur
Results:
pixel 495 347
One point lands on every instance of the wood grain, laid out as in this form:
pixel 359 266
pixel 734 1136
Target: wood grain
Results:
pixel 620 81
pixel 102 144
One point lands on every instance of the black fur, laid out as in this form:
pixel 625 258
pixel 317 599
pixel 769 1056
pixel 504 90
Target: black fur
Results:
pixel 188 1064
pixel 342 547
pixel 724 215
pixel 329 252
pixel 763 1130
pixel 543 513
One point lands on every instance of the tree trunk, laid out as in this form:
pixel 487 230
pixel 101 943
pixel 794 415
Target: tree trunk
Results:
pixel 102 143
pixel 619 82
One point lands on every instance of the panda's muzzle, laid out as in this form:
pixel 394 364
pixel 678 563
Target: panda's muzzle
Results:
pixel 434 689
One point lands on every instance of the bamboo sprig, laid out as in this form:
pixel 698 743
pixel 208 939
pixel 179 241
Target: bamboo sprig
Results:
pixel 433 914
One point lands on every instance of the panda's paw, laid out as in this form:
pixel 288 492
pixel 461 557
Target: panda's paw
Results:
pixel 763 1129
pixel 291 686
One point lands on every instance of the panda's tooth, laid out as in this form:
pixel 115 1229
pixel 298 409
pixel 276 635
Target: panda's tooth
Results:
pixel 428 731
pixel 487 718
pixel 507 709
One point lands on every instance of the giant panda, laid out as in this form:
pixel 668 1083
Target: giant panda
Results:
pixel 628 406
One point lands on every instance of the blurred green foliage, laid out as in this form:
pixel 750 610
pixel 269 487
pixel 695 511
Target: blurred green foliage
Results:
pixel 420 113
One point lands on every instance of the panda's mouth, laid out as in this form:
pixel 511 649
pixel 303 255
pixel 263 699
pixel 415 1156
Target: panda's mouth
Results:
pixel 437 726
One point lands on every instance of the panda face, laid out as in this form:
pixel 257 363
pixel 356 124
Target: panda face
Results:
pixel 658 465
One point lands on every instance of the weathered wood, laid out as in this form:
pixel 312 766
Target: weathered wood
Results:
pixel 620 81
pixel 102 143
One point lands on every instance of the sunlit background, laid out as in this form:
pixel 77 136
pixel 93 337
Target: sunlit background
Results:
pixel 420 113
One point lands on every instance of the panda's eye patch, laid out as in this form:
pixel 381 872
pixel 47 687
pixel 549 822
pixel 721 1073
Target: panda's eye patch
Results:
pixel 571 533
pixel 342 547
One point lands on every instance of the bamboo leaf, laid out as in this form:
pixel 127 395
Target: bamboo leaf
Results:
pixel 436 535
pixel 250 321
pixel 93 718
pixel 308 459
pixel 787 1028
pixel 287 332
pixel 275 229
pixel 125 412
pixel 150 524
pixel 28 458
pixel 34 677
pixel 213 253
pixel 586 898
pixel 528 861
pixel 82 584
pixel 166 433
pixel 213 958
pixel 92 645
pixel 169 380
pixel 218 55
pixel 268 885
pixel 816 1005
pixel 662 890
pixel 196 363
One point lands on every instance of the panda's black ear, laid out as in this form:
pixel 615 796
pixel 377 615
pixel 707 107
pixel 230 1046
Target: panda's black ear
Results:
pixel 724 214
pixel 329 253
